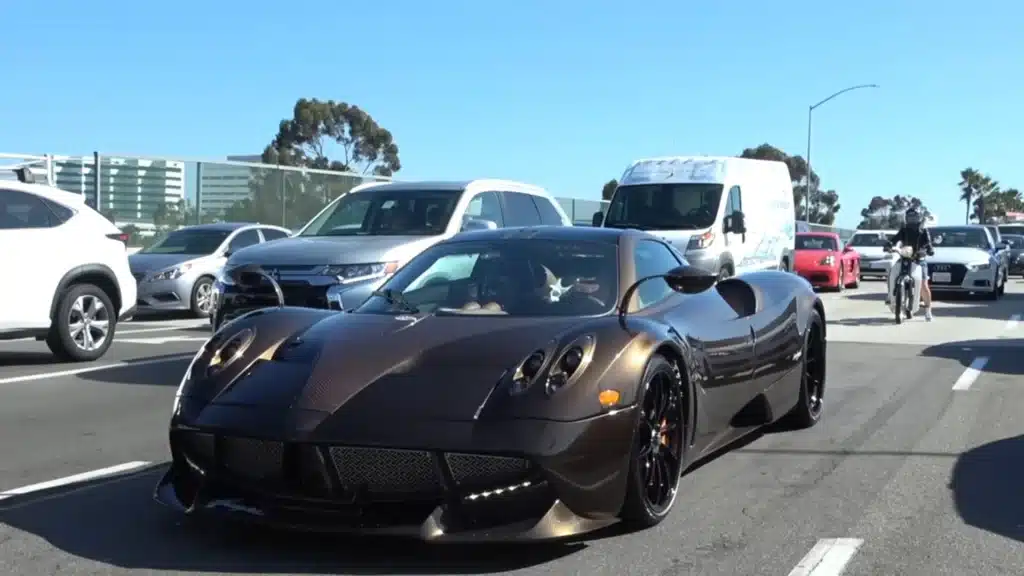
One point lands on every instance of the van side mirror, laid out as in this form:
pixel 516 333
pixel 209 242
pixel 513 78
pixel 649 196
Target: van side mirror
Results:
pixel 598 219
pixel 735 223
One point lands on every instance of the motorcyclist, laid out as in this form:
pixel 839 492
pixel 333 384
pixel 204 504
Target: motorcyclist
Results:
pixel 914 235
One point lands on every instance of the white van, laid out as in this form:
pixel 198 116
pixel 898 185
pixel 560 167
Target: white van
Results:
pixel 728 215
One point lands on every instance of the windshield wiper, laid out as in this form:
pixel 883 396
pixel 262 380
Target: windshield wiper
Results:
pixel 396 298
pixel 626 225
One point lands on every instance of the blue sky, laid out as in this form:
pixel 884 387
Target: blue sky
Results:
pixel 562 93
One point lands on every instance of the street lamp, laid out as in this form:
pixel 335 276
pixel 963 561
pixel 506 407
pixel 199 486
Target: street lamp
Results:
pixel 810 112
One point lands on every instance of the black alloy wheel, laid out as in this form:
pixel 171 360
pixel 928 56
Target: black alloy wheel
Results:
pixel 659 445
pixel 811 403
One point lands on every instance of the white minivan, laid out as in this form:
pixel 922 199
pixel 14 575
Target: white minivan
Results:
pixel 727 215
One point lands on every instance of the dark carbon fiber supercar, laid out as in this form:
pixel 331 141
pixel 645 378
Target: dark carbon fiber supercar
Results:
pixel 511 384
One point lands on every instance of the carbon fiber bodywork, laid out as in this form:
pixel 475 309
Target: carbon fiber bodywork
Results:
pixel 408 424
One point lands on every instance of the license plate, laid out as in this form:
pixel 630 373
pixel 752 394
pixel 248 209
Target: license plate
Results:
pixel 942 277
pixel 878 265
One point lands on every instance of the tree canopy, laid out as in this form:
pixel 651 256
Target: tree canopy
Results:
pixel 323 135
pixel 824 203
pixel 984 198
pixel 608 189
pixel 887 213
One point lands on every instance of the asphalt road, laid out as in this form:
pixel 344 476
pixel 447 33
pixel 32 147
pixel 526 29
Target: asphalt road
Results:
pixel 915 469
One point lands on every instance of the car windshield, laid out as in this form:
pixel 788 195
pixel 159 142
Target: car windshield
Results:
pixel 686 206
pixel 816 242
pixel 386 212
pixel 1015 229
pixel 959 238
pixel 521 277
pixel 1016 242
pixel 189 241
pixel 869 240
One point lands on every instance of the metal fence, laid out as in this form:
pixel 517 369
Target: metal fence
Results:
pixel 149 196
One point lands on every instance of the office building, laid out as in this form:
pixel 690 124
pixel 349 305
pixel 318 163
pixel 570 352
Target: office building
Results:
pixel 222 185
pixel 131 189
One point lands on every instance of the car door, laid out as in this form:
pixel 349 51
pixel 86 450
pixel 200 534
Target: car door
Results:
pixel 549 216
pixel 519 210
pixel 38 249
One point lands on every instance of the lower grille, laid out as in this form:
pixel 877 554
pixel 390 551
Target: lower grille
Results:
pixel 304 295
pixel 251 459
pixel 386 471
pixel 484 470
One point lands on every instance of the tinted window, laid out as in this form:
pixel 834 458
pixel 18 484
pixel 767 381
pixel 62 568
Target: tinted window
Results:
pixel 62 212
pixel 548 215
pixel 484 206
pixel 273 234
pixel 190 241
pixel 959 238
pixel 651 258
pixel 1016 242
pixel 247 238
pixel 520 210
pixel 20 210
pixel 872 239
pixel 386 212
pixel 664 206
pixel 816 243
pixel 735 201
pixel 520 277
pixel 1011 229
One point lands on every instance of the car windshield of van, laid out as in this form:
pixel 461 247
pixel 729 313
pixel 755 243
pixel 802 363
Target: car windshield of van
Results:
pixel 959 238
pixel 386 213
pixel 688 206
pixel 1015 229
pixel 816 243
pixel 872 240
pixel 521 277
pixel 189 241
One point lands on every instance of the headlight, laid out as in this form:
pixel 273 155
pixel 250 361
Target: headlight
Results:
pixel 979 266
pixel 348 273
pixel 223 277
pixel 570 363
pixel 828 260
pixel 170 273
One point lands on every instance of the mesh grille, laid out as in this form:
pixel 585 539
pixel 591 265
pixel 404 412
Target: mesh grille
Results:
pixel 252 459
pixel 198 447
pixel 479 469
pixel 381 470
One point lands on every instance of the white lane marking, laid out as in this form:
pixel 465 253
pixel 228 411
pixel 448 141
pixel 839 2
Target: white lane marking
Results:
pixel 168 327
pixel 1012 323
pixel 75 371
pixel 829 557
pixel 74 479
pixel 162 340
pixel 144 330
pixel 970 374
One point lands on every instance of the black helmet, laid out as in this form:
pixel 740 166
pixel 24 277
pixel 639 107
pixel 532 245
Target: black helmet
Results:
pixel 912 217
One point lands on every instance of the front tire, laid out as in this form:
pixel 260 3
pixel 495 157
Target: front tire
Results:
pixel 659 445
pixel 811 404
pixel 201 301
pixel 898 302
pixel 84 325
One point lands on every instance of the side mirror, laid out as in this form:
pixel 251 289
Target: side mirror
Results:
pixel 690 279
pixel 847 248
pixel 598 219
pixel 479 224
pixel 735 223
pixel 227 253
pixel 1004 245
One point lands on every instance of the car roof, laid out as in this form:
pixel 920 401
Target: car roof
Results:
pixel 225 226
pixel 51 192
pixel 563 233
pixel 812 233
pixel 452 185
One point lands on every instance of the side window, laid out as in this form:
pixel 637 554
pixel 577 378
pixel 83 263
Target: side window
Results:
pixel 520 210
pixel 62 212
pixel 735 201
pixel 243 239
pixel 548 215
pixel 650 258
pixel 485 206
pixel 20 210
pixel 273 234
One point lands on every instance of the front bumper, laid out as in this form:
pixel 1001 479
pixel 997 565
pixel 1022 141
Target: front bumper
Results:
pixel 165 295
pixel 875 268
pixel 820 276
pixel 510 481
pixel 944 277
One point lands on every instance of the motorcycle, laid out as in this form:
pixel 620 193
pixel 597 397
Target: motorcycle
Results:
pixel 905 290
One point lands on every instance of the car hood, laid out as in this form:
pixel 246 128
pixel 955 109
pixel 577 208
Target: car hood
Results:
pixel 319 250
pixel 145 263
pixel 960 255
pixel 362 368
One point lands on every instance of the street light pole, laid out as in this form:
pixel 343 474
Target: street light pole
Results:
pixel 808 185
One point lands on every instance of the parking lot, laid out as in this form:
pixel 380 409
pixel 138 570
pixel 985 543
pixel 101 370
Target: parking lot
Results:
pixel 915 469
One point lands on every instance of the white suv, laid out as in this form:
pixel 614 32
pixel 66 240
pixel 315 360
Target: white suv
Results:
pixel 65 271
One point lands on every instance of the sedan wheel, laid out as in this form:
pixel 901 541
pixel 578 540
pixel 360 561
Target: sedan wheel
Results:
pixel 658 446
pixel 202 297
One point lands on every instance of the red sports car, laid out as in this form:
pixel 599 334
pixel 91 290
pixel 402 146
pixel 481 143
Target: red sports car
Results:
pixel 823 263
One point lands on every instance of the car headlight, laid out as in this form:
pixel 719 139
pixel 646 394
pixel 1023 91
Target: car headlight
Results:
pixel 170 273
pixel 828 260
pixel 348 273
pixel 979 266
pixel 223 278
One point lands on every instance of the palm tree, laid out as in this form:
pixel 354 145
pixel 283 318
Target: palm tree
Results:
pixel 970 185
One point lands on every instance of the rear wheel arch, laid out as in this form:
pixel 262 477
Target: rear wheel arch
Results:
pixel 98 275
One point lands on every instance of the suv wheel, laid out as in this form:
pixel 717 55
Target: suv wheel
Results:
pixel 83 328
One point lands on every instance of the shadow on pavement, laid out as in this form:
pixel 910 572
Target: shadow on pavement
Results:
pixel 167 373
pixel 1004 355
pixel 28 358
pixel 118 523
pixel 986 487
